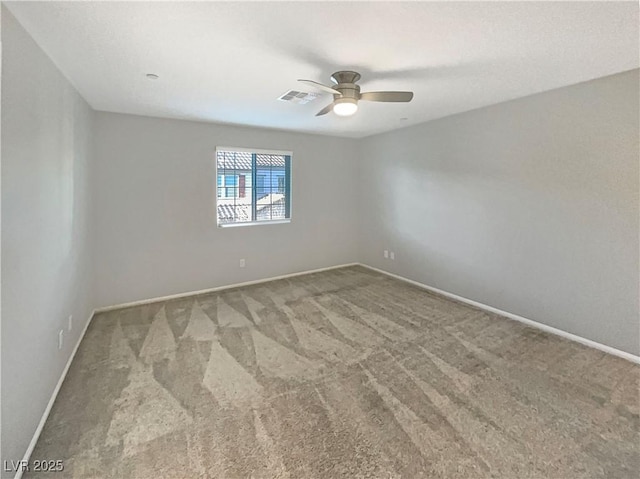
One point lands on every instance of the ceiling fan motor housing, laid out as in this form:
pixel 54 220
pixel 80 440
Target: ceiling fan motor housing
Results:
pixel 345 84
pixel 347 90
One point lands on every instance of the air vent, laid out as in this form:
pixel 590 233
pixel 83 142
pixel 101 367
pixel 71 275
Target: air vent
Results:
pixel 299 97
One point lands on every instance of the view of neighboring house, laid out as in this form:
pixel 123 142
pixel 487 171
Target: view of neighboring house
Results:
pixel 235 186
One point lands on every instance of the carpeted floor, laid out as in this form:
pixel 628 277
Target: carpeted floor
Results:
pixel 344 373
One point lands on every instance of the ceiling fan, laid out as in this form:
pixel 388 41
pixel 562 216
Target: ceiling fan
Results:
pixel 346 94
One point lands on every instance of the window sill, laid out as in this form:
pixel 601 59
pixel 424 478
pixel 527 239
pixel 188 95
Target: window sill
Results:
pixel 254 223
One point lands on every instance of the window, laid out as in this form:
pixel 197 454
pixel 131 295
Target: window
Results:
pixel 252 186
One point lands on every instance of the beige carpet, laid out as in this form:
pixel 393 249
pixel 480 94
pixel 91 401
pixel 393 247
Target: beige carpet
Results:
pixel 345 373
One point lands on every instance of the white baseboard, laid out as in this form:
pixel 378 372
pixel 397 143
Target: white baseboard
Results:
pixel 529 322
pixel 219 288
pixel 45 415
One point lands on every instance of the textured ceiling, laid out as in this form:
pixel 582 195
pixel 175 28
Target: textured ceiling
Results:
pixel 229 62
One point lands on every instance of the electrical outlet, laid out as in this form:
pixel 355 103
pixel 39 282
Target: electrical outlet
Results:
pixel 70 322
pixel 386 253
pixel 60 338
pixel 242 263
pixel 392 255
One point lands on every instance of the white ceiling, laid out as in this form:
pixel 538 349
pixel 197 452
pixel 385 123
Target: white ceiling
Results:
pixel 229 62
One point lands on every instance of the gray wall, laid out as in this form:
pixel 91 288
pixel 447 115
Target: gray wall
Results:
pixel 530 206
pixel 156 230
pixel 45 230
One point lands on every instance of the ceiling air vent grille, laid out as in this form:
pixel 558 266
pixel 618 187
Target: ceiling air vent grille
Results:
pixel 299 97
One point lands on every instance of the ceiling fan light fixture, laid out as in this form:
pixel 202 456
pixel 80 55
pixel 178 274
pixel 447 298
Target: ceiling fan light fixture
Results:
pixel 345 106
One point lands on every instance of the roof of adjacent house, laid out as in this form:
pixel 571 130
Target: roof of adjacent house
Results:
pixel 240 160
pixel 240 208
pixel 233 213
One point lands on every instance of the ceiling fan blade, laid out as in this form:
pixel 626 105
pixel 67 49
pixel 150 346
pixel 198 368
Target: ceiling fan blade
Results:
pixel 320 86
pixel 325 110
pixel 394 96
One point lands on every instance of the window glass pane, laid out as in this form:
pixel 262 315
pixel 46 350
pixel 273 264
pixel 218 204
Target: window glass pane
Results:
pixel 261 183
